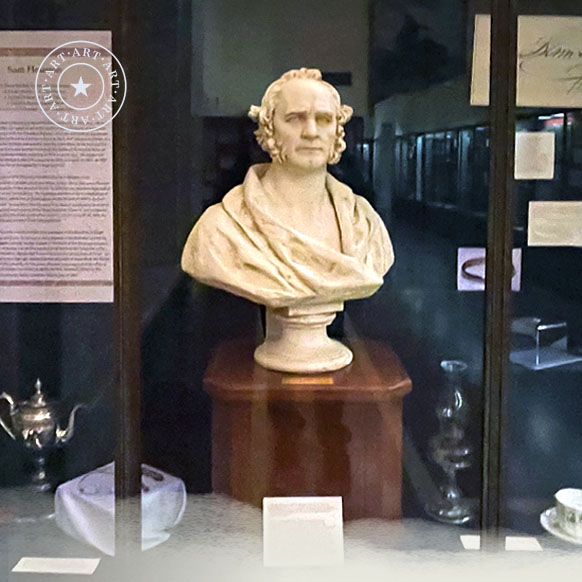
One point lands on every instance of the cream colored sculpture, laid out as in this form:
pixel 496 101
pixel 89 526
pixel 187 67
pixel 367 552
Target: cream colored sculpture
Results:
pixel 291 236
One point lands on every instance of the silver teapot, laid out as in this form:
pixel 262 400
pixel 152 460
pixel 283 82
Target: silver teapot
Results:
pixel 34 423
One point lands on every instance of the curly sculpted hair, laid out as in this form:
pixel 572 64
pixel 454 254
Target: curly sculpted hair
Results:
pixel 264 114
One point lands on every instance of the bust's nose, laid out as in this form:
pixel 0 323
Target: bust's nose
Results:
pixel 309 128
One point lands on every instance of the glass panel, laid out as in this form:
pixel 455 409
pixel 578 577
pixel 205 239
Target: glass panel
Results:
pixel 57 370
pixel 542 435
pixel 434 326
pixel 223 429
pixel 284 434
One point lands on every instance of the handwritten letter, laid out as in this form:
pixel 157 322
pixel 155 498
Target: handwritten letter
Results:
pixel 549 61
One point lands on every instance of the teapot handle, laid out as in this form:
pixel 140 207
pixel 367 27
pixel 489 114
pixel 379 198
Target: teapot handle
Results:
pixel 8 399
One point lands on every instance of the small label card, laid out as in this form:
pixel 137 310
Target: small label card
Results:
pixel 512 543
pixel 522 544
pixel 303 531
pixel 308 380
pixel 471 541
pixel 534 155
pixel 57 565
pixel 555 224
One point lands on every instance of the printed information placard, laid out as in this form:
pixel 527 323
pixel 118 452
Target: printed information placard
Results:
pixel 56 207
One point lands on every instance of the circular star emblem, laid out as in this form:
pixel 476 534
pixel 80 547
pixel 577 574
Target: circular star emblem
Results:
pixel 80 86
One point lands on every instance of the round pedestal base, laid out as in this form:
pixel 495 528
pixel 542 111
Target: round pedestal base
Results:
pixel 277 356
pixel 296 341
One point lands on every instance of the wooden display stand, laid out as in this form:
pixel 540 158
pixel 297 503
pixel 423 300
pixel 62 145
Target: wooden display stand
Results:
pixel 338 433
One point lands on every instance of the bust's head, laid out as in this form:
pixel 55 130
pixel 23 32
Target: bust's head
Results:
pixel 301 120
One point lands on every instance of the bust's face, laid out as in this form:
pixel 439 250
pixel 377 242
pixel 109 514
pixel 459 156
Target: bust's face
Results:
pixel 305 123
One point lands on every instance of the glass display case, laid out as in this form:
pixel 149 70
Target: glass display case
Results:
pixel 144 435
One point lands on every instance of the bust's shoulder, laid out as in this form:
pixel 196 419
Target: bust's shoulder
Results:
pixel 210 218
pixel 363 205
pixel 233 198
pixel 218 212
pixel 344 195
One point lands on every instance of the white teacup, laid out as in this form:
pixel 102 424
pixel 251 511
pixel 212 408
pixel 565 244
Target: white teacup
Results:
pixel 569 511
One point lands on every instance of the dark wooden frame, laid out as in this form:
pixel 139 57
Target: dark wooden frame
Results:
pixel 128 329
pixel 498 266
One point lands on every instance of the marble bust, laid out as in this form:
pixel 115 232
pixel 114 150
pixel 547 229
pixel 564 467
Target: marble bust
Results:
pixel 292 237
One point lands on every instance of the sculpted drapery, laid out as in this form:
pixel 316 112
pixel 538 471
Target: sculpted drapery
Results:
pixel 243 246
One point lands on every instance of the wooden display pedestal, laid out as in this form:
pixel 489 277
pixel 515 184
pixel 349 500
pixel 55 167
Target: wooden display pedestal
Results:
pixel 336 433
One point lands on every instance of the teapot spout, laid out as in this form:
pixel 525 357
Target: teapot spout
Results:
pixel 4 425
pixel 64 435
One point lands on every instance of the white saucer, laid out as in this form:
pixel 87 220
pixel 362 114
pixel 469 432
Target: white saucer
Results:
pixel 549 520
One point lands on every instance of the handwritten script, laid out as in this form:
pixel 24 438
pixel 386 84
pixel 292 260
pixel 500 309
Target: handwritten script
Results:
pixel 548 50
pixel 549 72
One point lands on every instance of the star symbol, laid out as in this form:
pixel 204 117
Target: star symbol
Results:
pixel 80 87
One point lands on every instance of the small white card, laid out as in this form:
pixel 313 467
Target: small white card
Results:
pixel 512 543
pixel 534 155
pixel 303 531
pixel 522 544
pixel 471 541
pixel 471 269
pixel 555 224
pixel 57 565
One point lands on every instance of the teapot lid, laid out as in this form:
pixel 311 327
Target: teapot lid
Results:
pixel 38 399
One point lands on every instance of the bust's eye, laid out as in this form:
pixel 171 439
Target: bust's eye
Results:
pixel 292 117
pixel 324 119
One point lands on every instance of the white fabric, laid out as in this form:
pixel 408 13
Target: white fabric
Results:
pixel 85 507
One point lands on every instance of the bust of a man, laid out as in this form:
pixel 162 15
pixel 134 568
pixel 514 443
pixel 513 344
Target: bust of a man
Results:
pixel 291 236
